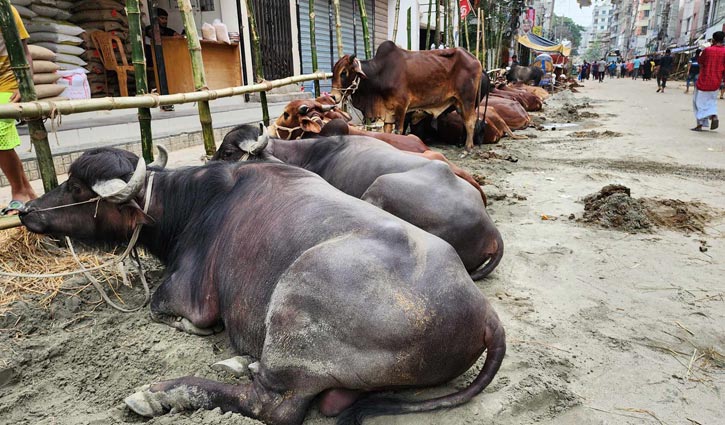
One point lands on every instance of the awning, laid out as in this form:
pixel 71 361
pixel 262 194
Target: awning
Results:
pixel 533 41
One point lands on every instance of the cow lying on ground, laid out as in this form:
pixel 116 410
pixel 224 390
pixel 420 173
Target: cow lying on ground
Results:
pixel 511 111
pixel 336 298
pixel 421 192
pixel 397 81
pixel 450 128
pixel 528 100
pixel 312 118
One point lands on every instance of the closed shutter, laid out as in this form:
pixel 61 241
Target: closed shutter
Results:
pixel 352 36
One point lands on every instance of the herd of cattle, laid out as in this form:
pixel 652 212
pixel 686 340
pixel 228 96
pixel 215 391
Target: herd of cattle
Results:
pixel 342 260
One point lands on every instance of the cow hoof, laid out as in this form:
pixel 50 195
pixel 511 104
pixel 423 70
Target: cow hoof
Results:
pixel 150 403
pixel 145 403
pixel 237 366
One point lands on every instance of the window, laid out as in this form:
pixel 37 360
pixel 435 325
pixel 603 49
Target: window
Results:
pixel 643 31
pixel 646 14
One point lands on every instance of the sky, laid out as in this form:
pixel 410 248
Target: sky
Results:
pixel 570 9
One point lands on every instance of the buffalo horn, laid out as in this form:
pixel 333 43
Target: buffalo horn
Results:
pixel 117 190
pixel 261 143
pixel 162 159
pixel 327 108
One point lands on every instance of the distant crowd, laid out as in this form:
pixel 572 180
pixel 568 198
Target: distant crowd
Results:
pixel 659 66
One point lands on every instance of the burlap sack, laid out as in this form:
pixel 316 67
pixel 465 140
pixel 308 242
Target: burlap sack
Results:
pixel 41 53
pixel 40 67
pixel 62 48
pixel 48 90
pixel 45 78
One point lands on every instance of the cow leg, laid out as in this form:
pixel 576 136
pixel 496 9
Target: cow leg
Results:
pixel 272 404
pixel 469 118
pixel 183 304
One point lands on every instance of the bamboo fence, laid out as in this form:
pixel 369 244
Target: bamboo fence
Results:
pixel 313 44
pixel 139 69
pixel 19 64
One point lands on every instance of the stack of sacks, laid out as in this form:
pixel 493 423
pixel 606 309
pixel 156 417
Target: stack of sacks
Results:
pixel 49 29
pixel 23 8
pixel 108 16
pixel 44 74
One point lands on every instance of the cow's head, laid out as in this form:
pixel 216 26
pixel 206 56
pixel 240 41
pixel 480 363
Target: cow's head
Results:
pixel 304 116
pixel 243 142
pixel 346 75
pixel 100 200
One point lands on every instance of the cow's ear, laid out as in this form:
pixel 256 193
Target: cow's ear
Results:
pixel 310 125
pixel 358 69
pixel 351 59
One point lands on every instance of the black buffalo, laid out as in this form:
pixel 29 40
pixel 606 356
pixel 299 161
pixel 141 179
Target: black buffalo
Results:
pixel 335 297
pixel 422 192
pixel 525 74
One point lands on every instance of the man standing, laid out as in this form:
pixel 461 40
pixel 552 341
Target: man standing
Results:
pixel 635 72
pixel 10 163
pixel 693 70
pixel 712 69
pixel 602 69
pixel 665 67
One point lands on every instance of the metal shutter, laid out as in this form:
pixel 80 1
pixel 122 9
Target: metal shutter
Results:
pixel 325 60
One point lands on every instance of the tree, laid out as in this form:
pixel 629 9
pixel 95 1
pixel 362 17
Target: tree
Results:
pixel 566 28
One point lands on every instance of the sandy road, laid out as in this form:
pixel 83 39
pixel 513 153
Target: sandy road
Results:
pixel 603 326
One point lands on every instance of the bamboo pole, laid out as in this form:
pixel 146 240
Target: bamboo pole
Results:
pixel 467 37
pixel 366 30
pixel 427 26
pixel 257 53
pixel 437 32
pixel 41 109
pixel 478 33
pixel 8 222
pixel 313 45
pixel 483 37
pixel 338 28
pixel 19 65
pixel 409 27
pixel 448 24
pixel 395 22
pixel 139 68
pixel 446 13
pixel 197 69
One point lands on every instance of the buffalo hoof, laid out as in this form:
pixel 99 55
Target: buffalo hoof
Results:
pixel 238 366
pixel 185 325
pixel 156 403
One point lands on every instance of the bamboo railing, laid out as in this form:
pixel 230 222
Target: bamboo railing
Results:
pixel 313 44
pixel 41 109
pixel 19 64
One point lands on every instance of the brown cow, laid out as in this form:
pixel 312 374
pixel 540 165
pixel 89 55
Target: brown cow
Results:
pixel 531 102
pixel 396 81
pixel 511 111
pixel 541 93
pixel 305 118
pixel 450 128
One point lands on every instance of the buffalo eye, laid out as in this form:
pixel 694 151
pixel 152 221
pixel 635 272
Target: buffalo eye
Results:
pixel 227 154
pixel 74 188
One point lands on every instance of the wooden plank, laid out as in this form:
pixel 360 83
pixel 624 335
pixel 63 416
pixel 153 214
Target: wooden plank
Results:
pixel 222 64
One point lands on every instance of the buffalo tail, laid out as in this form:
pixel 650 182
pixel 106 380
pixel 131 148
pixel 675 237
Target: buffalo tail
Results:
pixel 492 262
pixel 495 343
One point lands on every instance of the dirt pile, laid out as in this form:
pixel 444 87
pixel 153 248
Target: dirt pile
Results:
pixel 593 134
pixel 613 207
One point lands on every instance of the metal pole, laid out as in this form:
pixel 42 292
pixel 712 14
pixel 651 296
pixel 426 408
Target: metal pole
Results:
pixel 19 64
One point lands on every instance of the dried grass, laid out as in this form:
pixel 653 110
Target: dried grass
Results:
pixel 26 252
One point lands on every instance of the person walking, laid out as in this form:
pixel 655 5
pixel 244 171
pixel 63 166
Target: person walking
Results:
pixel 636 63
pixel 595 70
pixel 12 167
pixel 712 69
pixel 602 69
pixel 622 70
pixel 666 63
pixel 646 69
pixel 693 69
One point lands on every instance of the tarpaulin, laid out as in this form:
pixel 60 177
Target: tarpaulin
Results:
pixel 533 41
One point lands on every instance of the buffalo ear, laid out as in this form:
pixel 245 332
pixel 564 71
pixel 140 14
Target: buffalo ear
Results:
pixel 310 125
pixel 136 214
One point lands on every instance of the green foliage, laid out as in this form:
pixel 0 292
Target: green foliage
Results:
pixel 566 28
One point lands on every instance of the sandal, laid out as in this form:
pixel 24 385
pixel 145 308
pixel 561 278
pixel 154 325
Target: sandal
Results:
pixel 698 128
pixel 14 205
pixel 714 123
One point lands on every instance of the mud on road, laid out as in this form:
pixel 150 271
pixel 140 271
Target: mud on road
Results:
pixel 604 325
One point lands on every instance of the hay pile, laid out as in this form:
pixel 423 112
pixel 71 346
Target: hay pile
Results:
pixel 26 252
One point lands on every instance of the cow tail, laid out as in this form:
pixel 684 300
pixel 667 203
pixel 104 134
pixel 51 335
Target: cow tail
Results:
pixel 495 342
pixel 493 261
